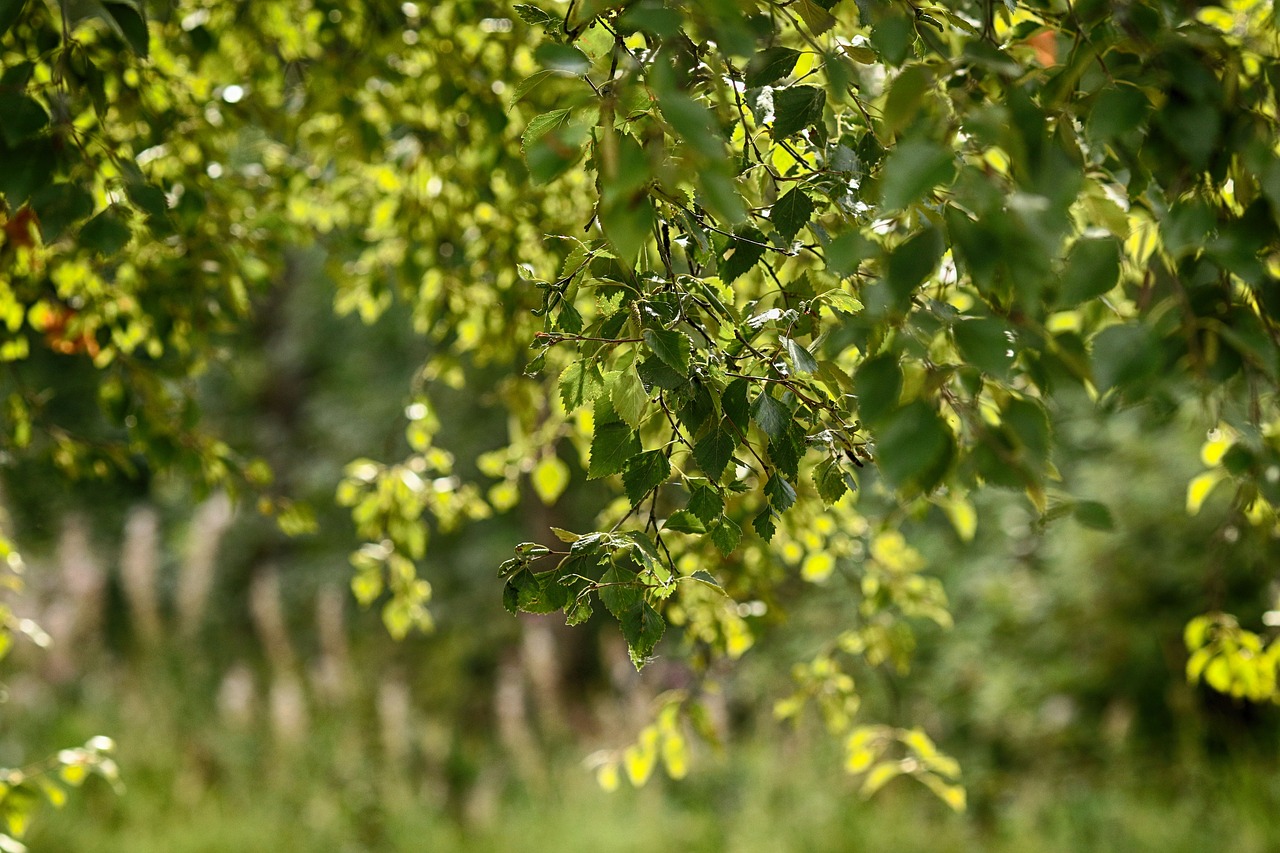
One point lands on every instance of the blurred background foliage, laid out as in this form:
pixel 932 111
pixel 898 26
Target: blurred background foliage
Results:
pixel 256 707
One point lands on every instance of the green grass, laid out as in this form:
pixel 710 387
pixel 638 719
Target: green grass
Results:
pixel 223 794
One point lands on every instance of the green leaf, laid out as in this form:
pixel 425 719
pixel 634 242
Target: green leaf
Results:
pixel 580 383
pixel 829 478
pixel 771 65
pixel 105 233
pixel 612 444
pixel 786 449
pixel 642 626
pixel 619 590
pixel 733 402
pixel 132 24
pixel 644 473
pixel 693 123
pixel 628 396
pixel 1092 268
pixel 748 248
pixel 554 150
pixel 1093 515
pixel 801 359
pixel 705 502
pixel 770 415
pixel 59 205
pixel 578 611
pixel 536 17
pixel 23 118
pixel 10 11
pixel 683 521
pixel 816 18
pixel 841 301
pixel 914 447
pixel 846 252
pixel 562 58
pixel 528 84
pixel 627 223
pixel 796 108
pixel 878 385
pixel 987 343
pixel 725 535
pixel 791 213
pixel 672 346
pixel 1124 355
pixel 912 169
pixel 766 523
pixel 714 450
pixel 781 494
pixel 543 124
pixel 911 263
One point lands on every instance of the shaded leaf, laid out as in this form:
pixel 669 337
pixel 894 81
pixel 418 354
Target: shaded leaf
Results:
pixel 796 108
pixel 714 450
pixel 644 473
pixel 771 65
pixel 791 213
pixel 672 346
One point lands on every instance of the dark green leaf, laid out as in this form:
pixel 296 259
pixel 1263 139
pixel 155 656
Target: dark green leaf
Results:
pixel 642 626
pixel 725 535
pixel 791 213
pixel 59 206
pixel 914 448
pixel 801 359
pixel 612 444
pixel 766 523
pixel 1093 515
pixel 771 65
pixel 644 473
pixel 846 252
pixel 619 590
pixel 105 233
pixel 10 11
pixel 1124 355
pixel 911 263
pixel 781 494
pixel 563 58
pixel 913 169
pixel 714 450
pixel 20 117
pixel 683 521
pixel 131 21
pixel 734 404
pixel 693 123
pixel 1092 268
pixel 987 343
pixel 878 384
pixel 771 415
pixel 655 373
pixel 796 108
pixel 786 449
pixel 627 223
pixel 705 502
pixel 672 346
pixel 748 248
pixel 829 478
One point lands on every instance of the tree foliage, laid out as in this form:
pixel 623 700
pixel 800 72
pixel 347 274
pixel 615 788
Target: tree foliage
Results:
pixel 776 277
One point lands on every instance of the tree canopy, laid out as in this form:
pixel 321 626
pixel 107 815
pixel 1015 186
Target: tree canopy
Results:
pixel 771 280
